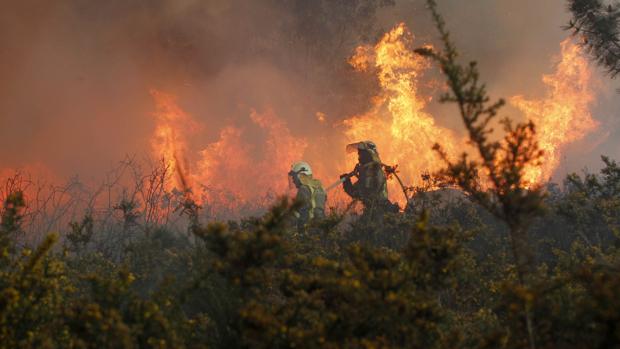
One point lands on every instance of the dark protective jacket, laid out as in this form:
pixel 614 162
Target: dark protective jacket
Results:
pixel 370 188
pixel 312 196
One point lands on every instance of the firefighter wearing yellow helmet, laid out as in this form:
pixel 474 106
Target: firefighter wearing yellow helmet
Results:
pixel 310 194
pixel 371 185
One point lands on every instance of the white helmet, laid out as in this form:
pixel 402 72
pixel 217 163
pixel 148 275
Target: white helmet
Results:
pixel 301 167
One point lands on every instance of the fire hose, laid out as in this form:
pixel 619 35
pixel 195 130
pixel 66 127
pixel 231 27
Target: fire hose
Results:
pixel 347 176
pixel 389 170
pixel 340 181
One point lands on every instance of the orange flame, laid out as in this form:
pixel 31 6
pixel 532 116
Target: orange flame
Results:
pixel 234 178
pixel 169 140
pixel 397 123
pixel 563 116
pixel 237 172
pixel 234 174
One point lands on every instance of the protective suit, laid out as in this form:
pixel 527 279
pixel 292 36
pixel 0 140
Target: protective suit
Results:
pixel 310 194
pixel 371 185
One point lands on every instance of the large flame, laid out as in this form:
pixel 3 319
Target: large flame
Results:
pixel 169 139
pixel 233 176
pixel 397 123
pixel 563 116
pixel 236 174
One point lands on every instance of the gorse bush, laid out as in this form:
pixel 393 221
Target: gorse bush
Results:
pixel 447 279
pixel 366 296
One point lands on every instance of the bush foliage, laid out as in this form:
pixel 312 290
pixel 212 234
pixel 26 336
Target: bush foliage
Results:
pixel 444 278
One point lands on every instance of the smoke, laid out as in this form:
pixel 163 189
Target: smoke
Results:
pixel 76 74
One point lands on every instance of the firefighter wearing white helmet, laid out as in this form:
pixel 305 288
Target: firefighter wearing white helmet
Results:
pixel 310 194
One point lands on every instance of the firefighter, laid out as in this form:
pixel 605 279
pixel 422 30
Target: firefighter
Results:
pixel 310 194
pixel 371 185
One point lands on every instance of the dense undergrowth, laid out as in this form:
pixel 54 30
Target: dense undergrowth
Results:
pixel 443 278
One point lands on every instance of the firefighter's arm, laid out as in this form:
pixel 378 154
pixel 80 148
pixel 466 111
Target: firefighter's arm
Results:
pixel 349 187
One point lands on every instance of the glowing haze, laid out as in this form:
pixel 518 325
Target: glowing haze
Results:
pixel 229 177
pixel 229 110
